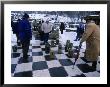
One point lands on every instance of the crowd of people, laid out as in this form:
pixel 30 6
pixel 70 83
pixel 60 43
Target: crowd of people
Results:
pixel 23 30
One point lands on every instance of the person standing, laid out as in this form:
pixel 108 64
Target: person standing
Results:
pixel 62 27
pixel 80 31
pixel 25 34
pixel 92 38
pixel 46 27
pixel 34 24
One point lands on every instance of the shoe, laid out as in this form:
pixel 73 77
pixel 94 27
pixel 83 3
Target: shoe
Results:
pixel 75 40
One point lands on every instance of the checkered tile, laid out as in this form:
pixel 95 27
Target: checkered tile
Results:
pixel 40 64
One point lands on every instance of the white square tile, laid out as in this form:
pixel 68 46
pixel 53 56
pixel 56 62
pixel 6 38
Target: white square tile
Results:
pixel 72 71
pixel 42 46
pixel 53 63
pixel 81 54
pixel 38 58
pixel 30 47
pixel 92 74
pixel 61 56
pixel 36 50
pixel 14 60
pixel 23 67
pixel 41 73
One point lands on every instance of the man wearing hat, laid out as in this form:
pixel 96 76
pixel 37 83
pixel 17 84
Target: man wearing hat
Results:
pixel 25 34
pixel 92 38
pixel 46 27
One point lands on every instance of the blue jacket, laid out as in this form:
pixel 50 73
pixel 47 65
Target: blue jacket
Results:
pixel 25 32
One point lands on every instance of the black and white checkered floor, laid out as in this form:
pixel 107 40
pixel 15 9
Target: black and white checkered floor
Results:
pixel 41 65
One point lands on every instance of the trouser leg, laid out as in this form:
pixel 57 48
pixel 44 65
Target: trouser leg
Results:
pixel 25 47
pixel 94 64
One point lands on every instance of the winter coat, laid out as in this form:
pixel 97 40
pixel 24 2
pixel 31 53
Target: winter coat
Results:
pixel 80 28
pixel 25 30
pixel 46 27
pixel 62 27
pixel 14 26
pixel 92 38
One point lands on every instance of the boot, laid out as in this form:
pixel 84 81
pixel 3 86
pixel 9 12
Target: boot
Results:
pixel 94 64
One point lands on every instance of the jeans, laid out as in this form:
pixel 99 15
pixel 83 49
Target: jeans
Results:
pixel 46 37
pixel 25 48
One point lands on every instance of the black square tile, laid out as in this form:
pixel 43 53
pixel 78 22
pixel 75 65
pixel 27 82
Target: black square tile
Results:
pixel 13 66
pixel 82 75
pixel 85 60
pixel 74 56
pixel 19 47
pixel 58 72
pixel 23 74
pixel 22 60
pixel 39 65
pixel 37 53
pixel 65 62
pixel 14 55
pixel 43 49
pixel 34 47
pixel 85 68
pixel 47 57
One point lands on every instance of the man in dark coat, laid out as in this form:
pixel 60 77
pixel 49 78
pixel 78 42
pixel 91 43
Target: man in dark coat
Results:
pixel 15 29
pixel 62 27
pixel 25 34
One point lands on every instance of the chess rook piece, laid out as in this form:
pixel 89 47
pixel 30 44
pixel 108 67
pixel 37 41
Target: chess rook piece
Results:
pixel 70 53
pixel 59 48
pixel 52 54
pixel 47 48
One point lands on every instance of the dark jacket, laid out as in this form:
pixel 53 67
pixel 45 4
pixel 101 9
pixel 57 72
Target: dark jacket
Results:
pixel 25 30
pixel 14 26
pixel 80 28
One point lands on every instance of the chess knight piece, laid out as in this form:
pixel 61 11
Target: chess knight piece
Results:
pixel 67 45
pixel 53 43
pixel 59 48
pixel 52 54
pixel 47 48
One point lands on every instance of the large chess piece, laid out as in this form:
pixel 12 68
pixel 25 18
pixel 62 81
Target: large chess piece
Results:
pixel 53 43
pixel 52 54
pixel 70 50
pixel 47 48
pixel 57 41
pixel 59 48
pixel 67 45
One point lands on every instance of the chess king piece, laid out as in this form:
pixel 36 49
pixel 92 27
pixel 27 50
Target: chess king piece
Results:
pixel 47 48
pixel 67 45
pixel 52 54
pixel 59 48
pixel 52 43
